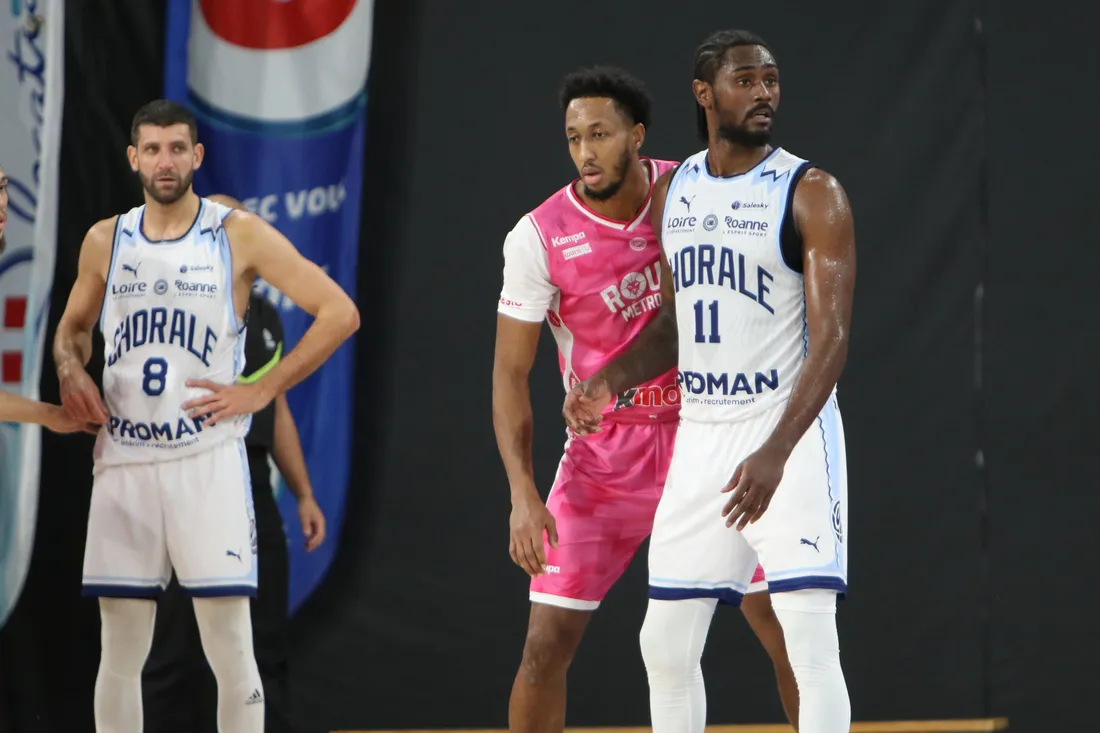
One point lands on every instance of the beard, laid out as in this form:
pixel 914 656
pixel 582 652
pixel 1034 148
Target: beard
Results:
pixel 739 133
pixel 3 243
pixel 616 185
pixel 170 196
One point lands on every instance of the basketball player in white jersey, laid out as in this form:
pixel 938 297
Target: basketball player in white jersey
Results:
pixel 168 283
pixel 16 408
pixel 759 262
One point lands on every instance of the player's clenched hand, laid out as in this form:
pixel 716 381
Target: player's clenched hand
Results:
pixel 225 401
pixel 529 519
pixel 313 522
pixel 753 484
pixel 584 405
pixel 79 395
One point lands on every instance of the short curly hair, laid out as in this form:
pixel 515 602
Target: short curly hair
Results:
pixel 626 91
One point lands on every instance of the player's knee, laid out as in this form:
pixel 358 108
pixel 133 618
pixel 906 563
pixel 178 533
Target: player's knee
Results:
pixel 808 618
pixel 225 626
pixel 552 640
pixel 671 640
pixel 127 634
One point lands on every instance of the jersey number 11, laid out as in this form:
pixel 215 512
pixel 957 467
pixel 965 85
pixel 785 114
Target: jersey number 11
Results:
pixel 700 336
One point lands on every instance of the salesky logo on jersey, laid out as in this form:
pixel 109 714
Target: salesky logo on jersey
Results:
pixel 150 326
pixel 184 269
pixel 738 205
pixel 709 264
pixel 728 385
pixel 652 396
pixel 750 227
pixel 568 239
pixel 134 433
pixel 638 293
pixel 200 290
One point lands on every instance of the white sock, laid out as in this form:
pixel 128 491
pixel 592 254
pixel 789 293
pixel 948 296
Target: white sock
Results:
pixel 125 637
pixel 672 638
pixel 808 618
pixel 225 626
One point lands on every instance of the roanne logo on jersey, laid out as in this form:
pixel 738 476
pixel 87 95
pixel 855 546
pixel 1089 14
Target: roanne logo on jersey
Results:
pixel 637 293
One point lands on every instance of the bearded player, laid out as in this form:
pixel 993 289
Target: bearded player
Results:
pixel 586 261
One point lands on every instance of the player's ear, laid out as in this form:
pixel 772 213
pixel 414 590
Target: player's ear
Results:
pixel 200 153
pixel 703 92
pixel 131 153
pixel 638 133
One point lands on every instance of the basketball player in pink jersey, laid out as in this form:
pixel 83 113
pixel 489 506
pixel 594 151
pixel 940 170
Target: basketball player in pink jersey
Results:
pixel 586 261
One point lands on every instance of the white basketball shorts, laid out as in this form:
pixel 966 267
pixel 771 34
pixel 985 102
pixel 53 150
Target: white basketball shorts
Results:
pixel 193 514
pixel 800 540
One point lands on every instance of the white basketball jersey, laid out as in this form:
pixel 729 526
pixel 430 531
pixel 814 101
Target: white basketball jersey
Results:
pixel 167 317
pixel 740 304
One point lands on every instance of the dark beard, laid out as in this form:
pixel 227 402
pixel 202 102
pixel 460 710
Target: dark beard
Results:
pixel 741 135
pixel 169 198
pixel 3 243
pixel 611 189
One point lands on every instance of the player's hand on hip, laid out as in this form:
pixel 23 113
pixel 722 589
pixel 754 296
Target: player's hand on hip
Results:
pixel 225 401
pixel 584 406
pixel 57 420
pixel 80 397
pixel 313 522
pixel 753 485
pixel 529 519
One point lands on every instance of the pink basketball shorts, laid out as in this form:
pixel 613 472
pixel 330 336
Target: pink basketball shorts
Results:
pixel 603 501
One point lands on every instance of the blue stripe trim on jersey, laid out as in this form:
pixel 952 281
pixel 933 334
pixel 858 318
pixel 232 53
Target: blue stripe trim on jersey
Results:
pixel 155 242
pixel 828 422
pixel 822 582
pixel 250 509
pixel 726 596
pixel 219 591
pixel 100 590
pixel 226 255
pixel 110 276
pixel 757 170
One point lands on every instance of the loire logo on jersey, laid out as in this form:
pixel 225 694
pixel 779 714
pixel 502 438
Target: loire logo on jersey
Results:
pixel 161 326
pixel 696 264
pixel 638 293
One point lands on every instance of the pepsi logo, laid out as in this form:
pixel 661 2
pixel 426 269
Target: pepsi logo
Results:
pixel 264 25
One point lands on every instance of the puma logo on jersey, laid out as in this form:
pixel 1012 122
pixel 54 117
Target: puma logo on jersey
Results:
pixel 687 202
pixel 131 268
pixel 230 553
pixel 811 544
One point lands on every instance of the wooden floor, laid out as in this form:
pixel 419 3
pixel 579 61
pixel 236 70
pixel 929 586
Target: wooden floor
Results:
pixel 979 725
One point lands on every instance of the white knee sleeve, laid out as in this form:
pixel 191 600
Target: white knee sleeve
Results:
pixel 808 618
pixel 125 637
pixel 225 626
pixel 672 639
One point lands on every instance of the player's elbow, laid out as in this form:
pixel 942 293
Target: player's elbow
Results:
pixel 346 316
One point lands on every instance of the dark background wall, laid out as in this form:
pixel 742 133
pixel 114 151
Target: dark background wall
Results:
pixel 962 133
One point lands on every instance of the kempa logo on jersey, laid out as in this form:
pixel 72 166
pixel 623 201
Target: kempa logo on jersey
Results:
pixel 652 396
pixel 568 239
pixel 727 385
pixel 750 227
pixel 627 298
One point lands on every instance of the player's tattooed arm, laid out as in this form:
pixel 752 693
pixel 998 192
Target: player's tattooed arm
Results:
pixel 823 217
pixel 72 346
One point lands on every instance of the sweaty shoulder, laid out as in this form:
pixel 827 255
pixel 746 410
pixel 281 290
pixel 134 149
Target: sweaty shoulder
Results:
pixel 820 197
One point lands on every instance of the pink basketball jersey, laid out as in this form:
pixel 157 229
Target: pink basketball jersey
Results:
pixel 606 277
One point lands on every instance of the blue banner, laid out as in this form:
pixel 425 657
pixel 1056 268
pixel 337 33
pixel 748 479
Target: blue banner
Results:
pixel 279 89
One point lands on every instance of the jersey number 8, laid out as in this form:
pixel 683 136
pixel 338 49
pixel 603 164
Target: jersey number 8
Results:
pixel 156 370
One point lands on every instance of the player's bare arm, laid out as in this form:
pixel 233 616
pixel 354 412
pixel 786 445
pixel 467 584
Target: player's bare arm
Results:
pixel 514 355
pixel 261 250
pixel 19 409
pixel 288 457
pixel 652 354
pixel 823 217
pixel 72 346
